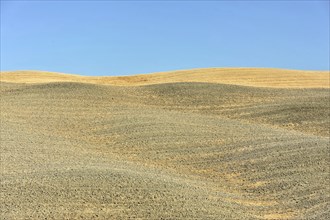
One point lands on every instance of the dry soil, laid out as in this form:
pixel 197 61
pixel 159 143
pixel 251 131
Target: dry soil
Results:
pixel 175 150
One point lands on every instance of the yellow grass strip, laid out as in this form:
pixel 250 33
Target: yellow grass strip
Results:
pixel 257 77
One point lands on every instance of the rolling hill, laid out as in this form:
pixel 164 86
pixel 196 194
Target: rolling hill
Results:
pixel 260 77
pixel 196 144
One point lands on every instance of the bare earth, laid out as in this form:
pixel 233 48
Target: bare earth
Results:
pixel 196 144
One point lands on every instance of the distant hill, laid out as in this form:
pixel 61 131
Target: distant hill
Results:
pixel 258 77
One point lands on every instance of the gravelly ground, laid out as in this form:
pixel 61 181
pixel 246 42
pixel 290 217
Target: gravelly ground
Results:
pixel 171 151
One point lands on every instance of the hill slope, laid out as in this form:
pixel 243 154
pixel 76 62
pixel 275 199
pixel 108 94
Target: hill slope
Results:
pixel 175 150
pixel 260 77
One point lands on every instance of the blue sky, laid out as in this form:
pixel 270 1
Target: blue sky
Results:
pixel 130 37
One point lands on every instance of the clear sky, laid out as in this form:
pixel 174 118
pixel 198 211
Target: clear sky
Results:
pixel 123 38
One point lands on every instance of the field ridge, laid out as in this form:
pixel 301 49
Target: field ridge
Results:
pixel 259 77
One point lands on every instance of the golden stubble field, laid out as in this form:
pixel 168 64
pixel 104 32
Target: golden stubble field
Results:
pixel 201 144
pixel 260 77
